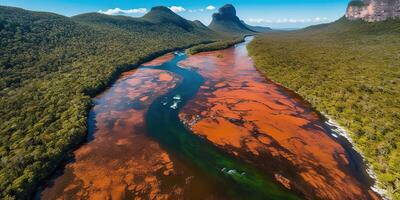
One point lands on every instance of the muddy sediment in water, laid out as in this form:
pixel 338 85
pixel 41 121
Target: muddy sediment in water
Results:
pixel 256 120
pixel 259 141
pixel 120 161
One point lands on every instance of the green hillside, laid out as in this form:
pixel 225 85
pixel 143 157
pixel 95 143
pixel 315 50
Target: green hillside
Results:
pixel 350 71
pixel 163 15
pixel 51 65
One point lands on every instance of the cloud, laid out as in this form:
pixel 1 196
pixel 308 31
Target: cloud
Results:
pixel 177 9
pixel 288 21
pixel 115 11
pixel 210 7
pixel 258 20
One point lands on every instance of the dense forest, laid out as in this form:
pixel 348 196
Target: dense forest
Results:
pixel 220 44
pixel 349 70
pixel 51 66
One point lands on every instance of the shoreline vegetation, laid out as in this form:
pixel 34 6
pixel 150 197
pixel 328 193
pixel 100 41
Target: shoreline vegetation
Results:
pixel 339 130
pixel 213 46
pixel 348 70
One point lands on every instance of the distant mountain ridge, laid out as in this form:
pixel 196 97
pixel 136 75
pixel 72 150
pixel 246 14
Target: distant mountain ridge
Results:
pixel 156 16
pixel 260 29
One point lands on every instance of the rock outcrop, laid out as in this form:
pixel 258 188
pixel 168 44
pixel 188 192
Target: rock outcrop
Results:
pixel 226 21
pixel 373 10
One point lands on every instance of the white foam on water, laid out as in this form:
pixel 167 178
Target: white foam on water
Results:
pixel 232 171
pixel 174 105
pixel 338 130
pixel 177 97
pixel 179 54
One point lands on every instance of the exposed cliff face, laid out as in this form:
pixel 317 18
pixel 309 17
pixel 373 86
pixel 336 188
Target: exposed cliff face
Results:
pixel 226 21
pixel 373 10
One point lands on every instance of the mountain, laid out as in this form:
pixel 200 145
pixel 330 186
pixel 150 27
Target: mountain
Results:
pixel 259 29
pixel 373 10
pixel 163 15
pixel 158 16
pixel 199 24
pixel 225 21
pixel 51 66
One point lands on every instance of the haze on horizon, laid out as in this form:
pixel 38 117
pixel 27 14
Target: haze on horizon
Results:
pixel 272 13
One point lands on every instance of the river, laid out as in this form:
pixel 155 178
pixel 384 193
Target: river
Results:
pixel 207 126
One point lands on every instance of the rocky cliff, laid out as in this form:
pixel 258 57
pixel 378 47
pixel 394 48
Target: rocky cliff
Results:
pixel 226 21
pixel 373 10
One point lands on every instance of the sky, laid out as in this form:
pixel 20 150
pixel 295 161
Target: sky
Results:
pixel 272 13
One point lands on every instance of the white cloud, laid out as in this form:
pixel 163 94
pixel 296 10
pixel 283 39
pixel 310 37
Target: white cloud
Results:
pixel 287 21
pixel 210 7
pixel 258 20
pixel 115 11
pixel 177 9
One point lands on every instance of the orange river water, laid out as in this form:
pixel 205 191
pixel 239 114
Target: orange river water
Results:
pixel 236 109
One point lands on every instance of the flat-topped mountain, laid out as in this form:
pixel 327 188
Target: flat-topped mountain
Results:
pixel 373 10
pixel 226 21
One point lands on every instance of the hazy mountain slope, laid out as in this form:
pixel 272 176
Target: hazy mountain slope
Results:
pixel 49 67
pixel 201 25
pixel 349 70
pixel 259 29
pixel 226 22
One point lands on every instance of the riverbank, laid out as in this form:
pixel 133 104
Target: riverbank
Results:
pixel 115 75
pixel 122 108
pixel 65 156
pixel 337 132
pixel 348 70
pixel 218 45
pixel 340 131
pixel 143 171
pixel 256 120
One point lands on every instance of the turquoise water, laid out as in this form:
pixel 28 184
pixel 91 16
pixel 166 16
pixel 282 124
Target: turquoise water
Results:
pixel 234 178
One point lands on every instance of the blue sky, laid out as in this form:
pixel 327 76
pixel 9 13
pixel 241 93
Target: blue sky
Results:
pixel 272 13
